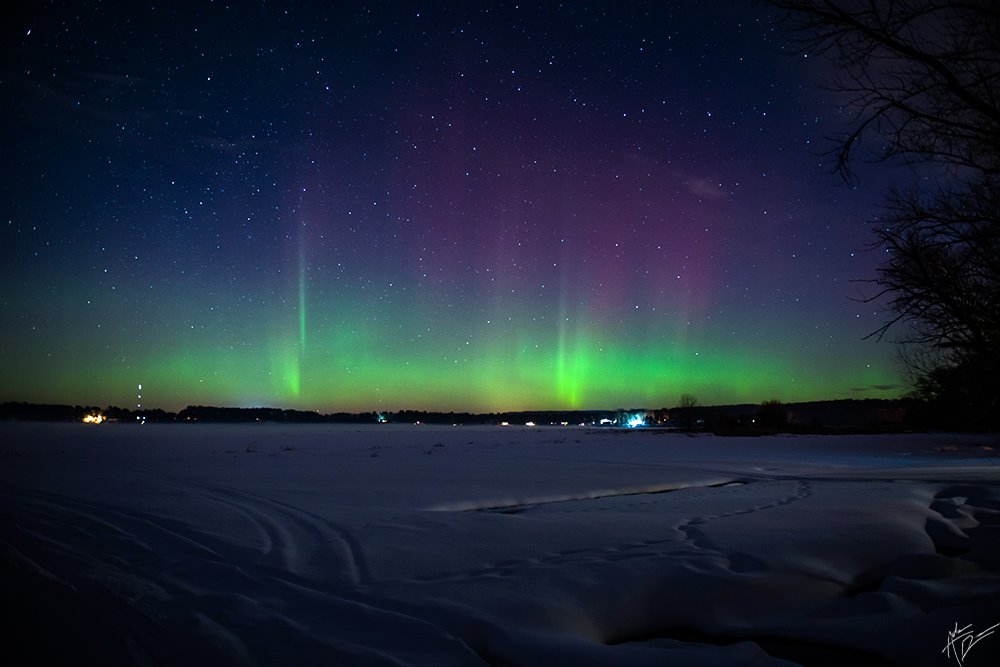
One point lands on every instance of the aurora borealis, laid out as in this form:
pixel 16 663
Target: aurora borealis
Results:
pixel 448 206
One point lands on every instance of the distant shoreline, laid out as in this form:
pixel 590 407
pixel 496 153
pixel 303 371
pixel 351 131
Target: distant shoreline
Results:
pixel 844 416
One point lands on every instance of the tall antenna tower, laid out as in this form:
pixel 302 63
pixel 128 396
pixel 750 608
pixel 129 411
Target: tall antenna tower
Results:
pixel 138 406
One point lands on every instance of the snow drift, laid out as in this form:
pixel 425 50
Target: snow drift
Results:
pixel 265 544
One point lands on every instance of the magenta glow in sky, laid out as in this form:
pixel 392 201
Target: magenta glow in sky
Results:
pixel 470 206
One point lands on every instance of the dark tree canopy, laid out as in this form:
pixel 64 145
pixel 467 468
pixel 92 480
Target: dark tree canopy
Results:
pixel 922 78
pixel 921 75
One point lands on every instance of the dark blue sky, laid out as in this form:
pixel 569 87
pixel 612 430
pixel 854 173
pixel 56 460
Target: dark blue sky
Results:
pixel 444 205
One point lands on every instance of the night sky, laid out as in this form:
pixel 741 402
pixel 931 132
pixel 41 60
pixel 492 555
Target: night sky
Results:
pixel 454 206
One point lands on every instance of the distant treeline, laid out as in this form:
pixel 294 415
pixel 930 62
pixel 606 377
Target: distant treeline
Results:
pixel 67 413
pixel 202 413
pixel 868 415
pixel 213 414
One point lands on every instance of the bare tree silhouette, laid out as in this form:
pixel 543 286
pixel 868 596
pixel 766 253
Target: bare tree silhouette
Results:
pixel 922 78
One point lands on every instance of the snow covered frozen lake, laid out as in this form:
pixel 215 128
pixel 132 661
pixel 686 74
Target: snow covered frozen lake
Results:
pixel 428 545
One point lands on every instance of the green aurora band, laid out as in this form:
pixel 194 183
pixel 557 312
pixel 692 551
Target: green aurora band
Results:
pixel 357 364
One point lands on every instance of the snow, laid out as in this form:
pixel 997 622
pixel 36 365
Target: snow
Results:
pixel 426 545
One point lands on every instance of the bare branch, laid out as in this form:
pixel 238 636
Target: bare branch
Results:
pixel 923 78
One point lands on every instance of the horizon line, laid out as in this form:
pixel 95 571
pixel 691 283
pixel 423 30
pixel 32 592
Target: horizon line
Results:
pixel 441 411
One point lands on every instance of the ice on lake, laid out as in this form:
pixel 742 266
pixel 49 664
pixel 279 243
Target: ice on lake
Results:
pixel 428 545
